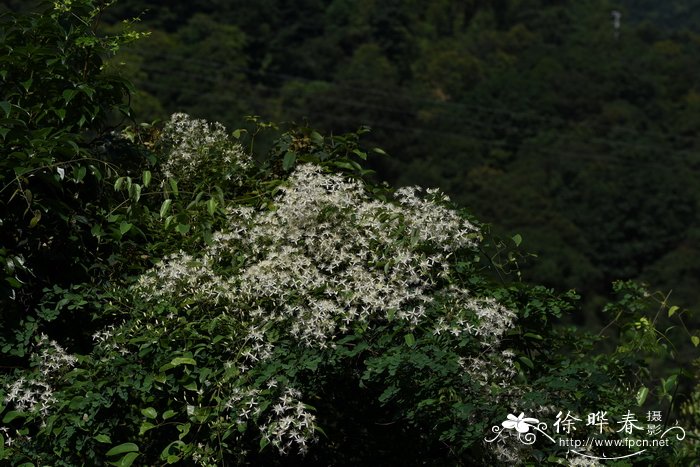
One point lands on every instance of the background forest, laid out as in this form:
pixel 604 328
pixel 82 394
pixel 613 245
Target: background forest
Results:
pixel 564 132
pixel 541 117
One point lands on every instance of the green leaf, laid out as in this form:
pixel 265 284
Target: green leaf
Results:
pixel 197 199
pixel 118 184
pixel 165 207
pixel 87 90
pixel 14 283
pixel 149 412
pixel 642 395
pixel 97 231
pixel 695 340
pixel 145 426
pixel 410 340
pixel 96 173
pixel 124 227
pixel 137 192
pixel 672 310
pixel 35 220
pixel 517 239
pixel 127 460
pixel 669 382
pixel 183 361
pixel 320 430
pixel 102 438
pixel 316 137
pixel 21 170
pixel 69 94
pixel 6 106
pixel 173 186
pixel 526 361
pixel 122 448
pixel 289 160
pixel 361 154
pixel 211 206
pixel 165 454
pixel 183 228
pixel 146 177
pixel 183 428
pixel 344 165
pixel 168 414
pixel 263 442
pixel 11 415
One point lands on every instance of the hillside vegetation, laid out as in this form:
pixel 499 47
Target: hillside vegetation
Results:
pixel 246 292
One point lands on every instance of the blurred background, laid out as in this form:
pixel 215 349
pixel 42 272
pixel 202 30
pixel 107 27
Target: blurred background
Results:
pixel 572 123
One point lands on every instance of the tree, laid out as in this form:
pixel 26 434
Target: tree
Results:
pixel 56 109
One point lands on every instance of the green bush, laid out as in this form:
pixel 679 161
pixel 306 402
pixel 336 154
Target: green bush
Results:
pixel 55 170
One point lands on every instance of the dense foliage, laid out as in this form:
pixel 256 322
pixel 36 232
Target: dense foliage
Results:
pixel 53 166
pixel 234 309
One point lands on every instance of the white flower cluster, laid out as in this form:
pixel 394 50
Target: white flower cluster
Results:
pixel 584 461
pixel 432 222
pixel 483 317
pixel 510 454
pixel 30 395
pixel 52 357
pixel 198 147
pixel 36 394
pixel 183 275
pixel 290 425
pixel 325 260
pixel 327 257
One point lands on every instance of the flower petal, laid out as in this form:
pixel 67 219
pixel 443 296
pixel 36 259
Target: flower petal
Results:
pixel 522 427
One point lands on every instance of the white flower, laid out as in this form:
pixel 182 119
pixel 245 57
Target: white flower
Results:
pixel 198 148
pixel 520 423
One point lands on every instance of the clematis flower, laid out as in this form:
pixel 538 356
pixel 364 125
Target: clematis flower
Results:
pixel 520 423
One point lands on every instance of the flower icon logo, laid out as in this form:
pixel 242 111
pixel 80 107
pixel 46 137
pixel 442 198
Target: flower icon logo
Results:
pixel 520 423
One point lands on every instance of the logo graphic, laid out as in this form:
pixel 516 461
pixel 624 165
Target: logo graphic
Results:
pixel 526 430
